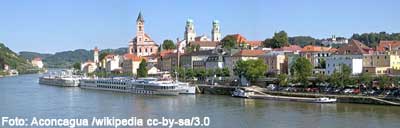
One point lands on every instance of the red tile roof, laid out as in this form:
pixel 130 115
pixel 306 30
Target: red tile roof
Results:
pixel 166 52
pixel 239 38
pixel 249 53
pixel 386 44
pixel 255 43
pixel 292 48
pixel 355 47
pixel 109 56
pixel 312 48
pixel 132 57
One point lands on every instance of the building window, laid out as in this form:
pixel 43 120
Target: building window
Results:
pixel 140 28
pixel 145 50
pixel 151 50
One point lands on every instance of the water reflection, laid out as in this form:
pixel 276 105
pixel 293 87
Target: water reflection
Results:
pixel 22 96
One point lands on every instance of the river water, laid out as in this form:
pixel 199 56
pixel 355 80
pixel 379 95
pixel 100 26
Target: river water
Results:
pixel 23 97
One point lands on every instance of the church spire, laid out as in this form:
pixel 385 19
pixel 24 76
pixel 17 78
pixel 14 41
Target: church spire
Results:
pixel 140 18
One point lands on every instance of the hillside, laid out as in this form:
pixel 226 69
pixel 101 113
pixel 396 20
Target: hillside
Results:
pixel 66 59
pixel 372 39
pixel 15 61
pixel 31 55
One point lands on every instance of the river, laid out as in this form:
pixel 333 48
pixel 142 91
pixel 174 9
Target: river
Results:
pixel 23 97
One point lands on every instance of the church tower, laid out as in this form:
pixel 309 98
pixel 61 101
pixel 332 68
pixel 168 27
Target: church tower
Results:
pixel 96 55
pixel 142 44
pixel 215 32
pixel 140 29
pixel 139 40
pixel 190 33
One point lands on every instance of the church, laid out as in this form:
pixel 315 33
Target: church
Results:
pixel 202 41
pixel 142 45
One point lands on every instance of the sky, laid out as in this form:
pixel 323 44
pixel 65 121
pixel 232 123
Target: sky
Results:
pixel 50 26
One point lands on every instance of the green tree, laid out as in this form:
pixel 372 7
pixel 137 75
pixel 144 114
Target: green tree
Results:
pixel 77 66
pixel 303 40
pixel 346 73
pixel 168 44
pixel 341 78
pixel 321 79
pixel 383 81
pixel 302 69
pixel 103 55
pixel 229 42
pixel 365 79
pixel 335 79
pixel 210 73
pixel 225 72
pixel 190 73
pixel 250 69
pixel 218 72
pixel 279 40
pixel 396 81
pixel 180 71
pixel 200 73
pixel 283 79
pixel 142 70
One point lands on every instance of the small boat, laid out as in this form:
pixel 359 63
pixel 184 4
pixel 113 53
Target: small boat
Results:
pixel 242 93
pixel 324 100
pixel 185 88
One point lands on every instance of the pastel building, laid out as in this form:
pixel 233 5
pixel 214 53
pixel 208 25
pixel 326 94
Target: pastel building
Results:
pixel 142 44
pixel 88 67
pixel 381 63
pixel 335 63
pixel 277 63
pixel 37 62
pixel 131 63
pixel 113 63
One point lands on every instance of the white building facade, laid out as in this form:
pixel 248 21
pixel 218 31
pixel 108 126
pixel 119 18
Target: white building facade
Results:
pixel 335 63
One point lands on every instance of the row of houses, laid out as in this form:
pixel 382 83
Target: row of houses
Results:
pixel 326 60
pixel 207 53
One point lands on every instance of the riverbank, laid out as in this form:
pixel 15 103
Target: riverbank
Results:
pixel 226 90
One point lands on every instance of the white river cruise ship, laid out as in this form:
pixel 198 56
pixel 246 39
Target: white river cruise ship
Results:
pixel 63 78
pixel 138 86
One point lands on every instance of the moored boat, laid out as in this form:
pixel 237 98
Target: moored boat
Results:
pixel 238 92
pixel 138 86
pixel 64 79
pixel 185 88
pixel 324 100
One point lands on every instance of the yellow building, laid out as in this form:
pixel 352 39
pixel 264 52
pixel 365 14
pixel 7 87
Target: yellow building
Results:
pixel 381 63
pixel 131 63
pixel 276 63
